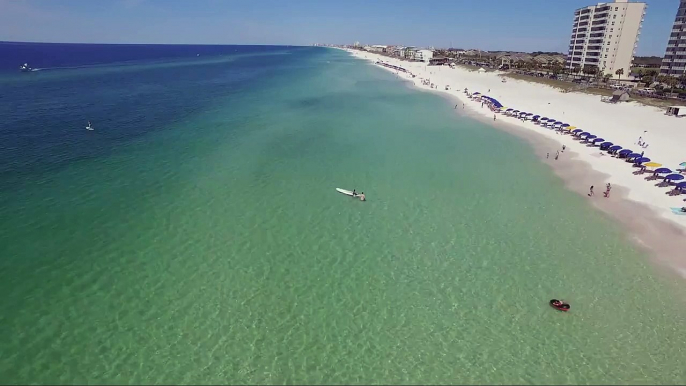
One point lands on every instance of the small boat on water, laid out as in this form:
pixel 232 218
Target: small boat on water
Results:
pixel 25 68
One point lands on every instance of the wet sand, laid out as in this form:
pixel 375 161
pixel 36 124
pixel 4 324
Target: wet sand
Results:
pixel 661 239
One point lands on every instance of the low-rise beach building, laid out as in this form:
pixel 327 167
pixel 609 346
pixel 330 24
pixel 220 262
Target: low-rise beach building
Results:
pixel 423 55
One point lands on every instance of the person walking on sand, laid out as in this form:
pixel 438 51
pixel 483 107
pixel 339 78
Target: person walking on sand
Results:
pixel 590 192
pixel 494 117
pixel 463 105
pixel 547 155
pixel 557 155
pixel 563 148
pixel 608 187
pixel 455 107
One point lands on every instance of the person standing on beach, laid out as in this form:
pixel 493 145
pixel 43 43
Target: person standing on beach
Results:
pixel 563 148
pixel 608 187
pixel 557 155
pixel 590 192
pixel 494 117
pixel 547 155
pixel 463 105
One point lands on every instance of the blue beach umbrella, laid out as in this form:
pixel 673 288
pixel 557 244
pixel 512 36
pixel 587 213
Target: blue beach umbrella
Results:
pixel 598 140
pixel 642 160
pixel 674 177
pixel 544 119
pixel 663 170
pixel 681 185
pixel 633 155
pixel 615 148
pixel 590 137
pixel 576 131
pixel 607 144
pixel 565 125
pixel 626 151
pixel 508 110
pixel 536 116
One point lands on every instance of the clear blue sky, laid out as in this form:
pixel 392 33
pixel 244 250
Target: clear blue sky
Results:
pixel 523 25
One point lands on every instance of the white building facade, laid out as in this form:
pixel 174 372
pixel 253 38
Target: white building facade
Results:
pixel 423 55
pixel 674 61
pixel 606 36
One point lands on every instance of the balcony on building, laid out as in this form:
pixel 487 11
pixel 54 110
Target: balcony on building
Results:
pixel 600 15
pixel 599 22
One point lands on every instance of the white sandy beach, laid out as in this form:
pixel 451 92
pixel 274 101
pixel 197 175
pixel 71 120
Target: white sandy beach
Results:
pixel 621 123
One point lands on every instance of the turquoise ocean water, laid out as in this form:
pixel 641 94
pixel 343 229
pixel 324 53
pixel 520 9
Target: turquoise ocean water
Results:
pixel 196 237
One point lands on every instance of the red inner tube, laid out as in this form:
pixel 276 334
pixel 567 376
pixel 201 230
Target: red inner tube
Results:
pixel 558 305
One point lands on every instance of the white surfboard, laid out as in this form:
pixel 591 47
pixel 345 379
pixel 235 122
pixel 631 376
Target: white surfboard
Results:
pixel 346 192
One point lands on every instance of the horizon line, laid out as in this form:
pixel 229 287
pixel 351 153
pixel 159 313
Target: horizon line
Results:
pixel 154 44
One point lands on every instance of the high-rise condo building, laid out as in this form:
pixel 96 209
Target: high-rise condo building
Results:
pixel 674 61
pixel 606 36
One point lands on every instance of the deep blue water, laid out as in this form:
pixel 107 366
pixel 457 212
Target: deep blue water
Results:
pixel 125 90
pixel 54 55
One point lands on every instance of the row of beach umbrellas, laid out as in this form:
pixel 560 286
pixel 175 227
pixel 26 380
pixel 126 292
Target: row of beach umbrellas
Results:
pixel 636 158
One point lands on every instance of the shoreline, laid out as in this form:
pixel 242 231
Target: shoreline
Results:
pixel 648 228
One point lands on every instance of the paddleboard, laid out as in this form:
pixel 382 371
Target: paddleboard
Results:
pixel 677 211
pixel 346 192
pixel 89 128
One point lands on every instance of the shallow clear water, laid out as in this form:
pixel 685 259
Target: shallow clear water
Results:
pixel 196 237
